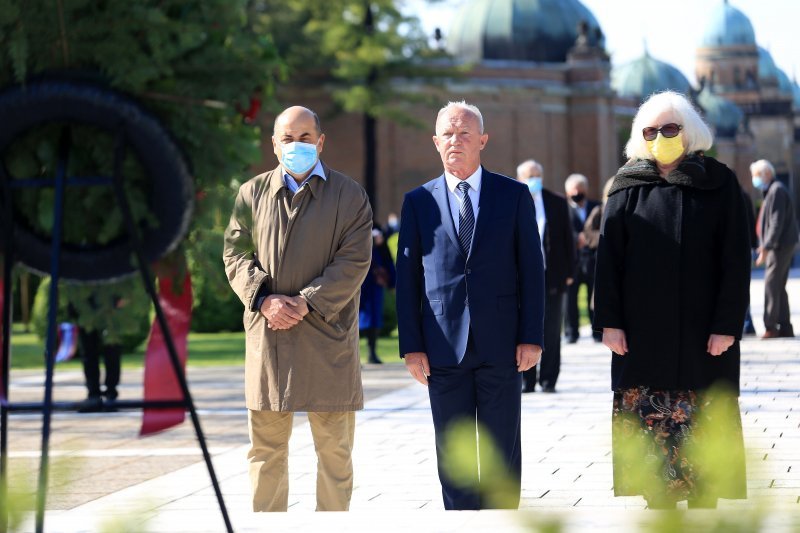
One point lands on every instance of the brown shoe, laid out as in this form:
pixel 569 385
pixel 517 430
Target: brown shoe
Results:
pixel 770 334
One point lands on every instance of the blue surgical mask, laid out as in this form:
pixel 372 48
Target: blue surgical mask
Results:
pixel 298 157
pixel 758 183
pixel 535 185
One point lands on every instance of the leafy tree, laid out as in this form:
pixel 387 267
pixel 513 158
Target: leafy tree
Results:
pixel 365 50
pixel 193 63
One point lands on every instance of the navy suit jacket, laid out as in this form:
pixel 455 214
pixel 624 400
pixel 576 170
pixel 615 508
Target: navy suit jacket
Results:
pixel 497 291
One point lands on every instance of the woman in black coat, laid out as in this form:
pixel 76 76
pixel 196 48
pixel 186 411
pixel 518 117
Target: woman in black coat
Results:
pixel 671 291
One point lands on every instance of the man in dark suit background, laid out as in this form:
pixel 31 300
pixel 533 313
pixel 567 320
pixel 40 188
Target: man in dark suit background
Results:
pixel 470 303
pixel 558 246
pixel 580 206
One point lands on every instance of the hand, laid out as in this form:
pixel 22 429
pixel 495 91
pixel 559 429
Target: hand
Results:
pixel 281 312
pixel 615 339
pixel 570 281
pixel 581 240
pixel 528 356
pixel 761 258
pixel 719 344
pixel 417 364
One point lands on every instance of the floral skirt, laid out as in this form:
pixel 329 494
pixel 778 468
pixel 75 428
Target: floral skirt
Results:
pixel 677 445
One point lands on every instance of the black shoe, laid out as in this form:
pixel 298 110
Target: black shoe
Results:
pixel 526 388
pixel 92 404
pixel 572 340
pixel 549 388
pixel 786 331
pixel 374 360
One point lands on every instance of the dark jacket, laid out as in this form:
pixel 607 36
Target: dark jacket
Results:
pixel 778 227
pixel 496 294
pixel 673 267
pixel 559 242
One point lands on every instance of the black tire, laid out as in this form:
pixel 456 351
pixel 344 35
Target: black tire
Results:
pixel 171 190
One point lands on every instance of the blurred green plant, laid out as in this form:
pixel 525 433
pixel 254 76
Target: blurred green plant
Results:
pixel 496 485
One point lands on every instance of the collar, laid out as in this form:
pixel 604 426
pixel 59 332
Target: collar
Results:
pixel 279 177
pixel 474 180
pixel 693 172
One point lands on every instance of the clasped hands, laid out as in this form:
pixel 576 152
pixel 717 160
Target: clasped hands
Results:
pixel 615 339
pixel 528 356
pixel 283 312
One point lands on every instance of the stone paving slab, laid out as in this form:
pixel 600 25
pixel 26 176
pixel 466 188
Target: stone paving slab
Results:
pixel 566 460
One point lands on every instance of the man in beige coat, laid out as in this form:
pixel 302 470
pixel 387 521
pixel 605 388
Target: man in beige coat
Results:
pixel 297 248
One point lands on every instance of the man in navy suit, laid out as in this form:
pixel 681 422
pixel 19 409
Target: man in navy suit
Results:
pixel 470 303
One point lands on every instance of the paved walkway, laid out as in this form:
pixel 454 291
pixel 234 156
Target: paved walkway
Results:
pixel 566 456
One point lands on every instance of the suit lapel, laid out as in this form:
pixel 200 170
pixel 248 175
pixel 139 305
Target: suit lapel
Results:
pixel 486 201
pixel 440 194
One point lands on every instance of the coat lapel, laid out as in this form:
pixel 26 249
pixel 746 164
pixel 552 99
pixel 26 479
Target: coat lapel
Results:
pixel 440 194
pixel 486 201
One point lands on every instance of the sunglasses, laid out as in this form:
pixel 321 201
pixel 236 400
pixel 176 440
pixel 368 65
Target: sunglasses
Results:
pixel 667 130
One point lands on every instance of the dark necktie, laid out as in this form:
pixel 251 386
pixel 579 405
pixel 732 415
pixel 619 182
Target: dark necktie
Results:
pixel 466 218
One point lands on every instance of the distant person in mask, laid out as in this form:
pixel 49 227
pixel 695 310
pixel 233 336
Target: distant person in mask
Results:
pixel 297 248
pixel 558 248
pixel 580 207
pixel 671 291
pixel 777 232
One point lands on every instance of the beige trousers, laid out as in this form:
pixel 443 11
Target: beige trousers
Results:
pixel 269 458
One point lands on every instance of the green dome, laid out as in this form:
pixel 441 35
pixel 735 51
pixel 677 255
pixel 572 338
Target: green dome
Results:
pixel 522 30
pixel 720 113
pixel 796 94
pixel 727 26
pixel 644 76
pixel 784 83
pixel 766 66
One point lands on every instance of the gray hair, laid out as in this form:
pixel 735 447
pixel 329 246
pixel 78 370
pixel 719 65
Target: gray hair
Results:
pixel 696 132
pixel 761 167
pixel 528 168
pixel 463 106
pixel 576 179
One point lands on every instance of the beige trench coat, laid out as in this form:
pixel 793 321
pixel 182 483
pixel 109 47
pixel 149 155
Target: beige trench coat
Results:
pixel 317 243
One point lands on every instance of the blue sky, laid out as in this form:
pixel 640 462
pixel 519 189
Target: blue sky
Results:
pixel 672 28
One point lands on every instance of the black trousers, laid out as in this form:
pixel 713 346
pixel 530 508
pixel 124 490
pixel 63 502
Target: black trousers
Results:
pixel 92 348
pixel 550 364
pixel 486 399
pixel 572 319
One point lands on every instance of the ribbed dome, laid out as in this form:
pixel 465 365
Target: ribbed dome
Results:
pixel 727 26
pixel 719 112
pixel 644 76
pixel 796 93
pixel 766 66
pixel 784 83
pixel 526 30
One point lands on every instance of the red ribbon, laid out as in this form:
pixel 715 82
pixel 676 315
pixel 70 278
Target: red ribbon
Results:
pixel 160 383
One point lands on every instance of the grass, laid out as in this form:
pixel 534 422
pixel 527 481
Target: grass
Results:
pixel 205 349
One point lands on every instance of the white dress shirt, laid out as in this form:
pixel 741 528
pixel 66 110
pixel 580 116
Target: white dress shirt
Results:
pixel 541 221
pixel 455 199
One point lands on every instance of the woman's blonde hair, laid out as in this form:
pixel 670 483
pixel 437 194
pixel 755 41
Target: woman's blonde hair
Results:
pixel 695 131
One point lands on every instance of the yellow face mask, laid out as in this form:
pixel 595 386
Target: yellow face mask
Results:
pixel 665 150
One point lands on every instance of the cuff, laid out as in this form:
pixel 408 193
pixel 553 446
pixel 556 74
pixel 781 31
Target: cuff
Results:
pixel 259 298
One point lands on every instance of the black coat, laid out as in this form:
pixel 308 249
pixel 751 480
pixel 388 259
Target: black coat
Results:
pixel 558 242
pixel 673 267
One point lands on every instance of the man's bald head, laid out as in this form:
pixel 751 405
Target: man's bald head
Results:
pixel 293 115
